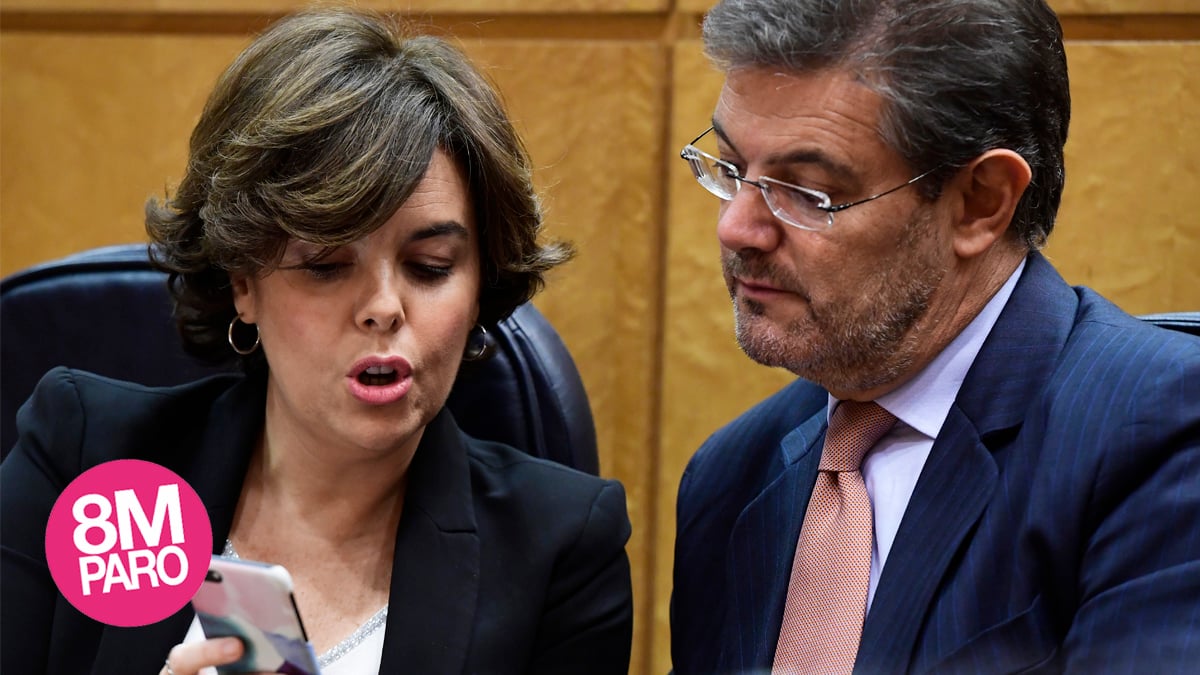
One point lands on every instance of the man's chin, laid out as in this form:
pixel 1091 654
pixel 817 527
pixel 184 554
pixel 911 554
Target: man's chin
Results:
pixel 764 341
pixel 745 309
pixel 761 356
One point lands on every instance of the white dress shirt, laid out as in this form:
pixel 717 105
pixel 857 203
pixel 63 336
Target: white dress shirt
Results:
pixel 891 468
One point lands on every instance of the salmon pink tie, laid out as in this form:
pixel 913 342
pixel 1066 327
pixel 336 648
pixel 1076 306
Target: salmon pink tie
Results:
pixel 827 594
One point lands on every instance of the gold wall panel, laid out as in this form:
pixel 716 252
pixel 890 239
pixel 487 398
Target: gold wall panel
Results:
pixel 1128 224
pixel 1060 6
pixel 274 6
pixel 90 127
pixel 698 6
pixel 592 115
pixel 1126 6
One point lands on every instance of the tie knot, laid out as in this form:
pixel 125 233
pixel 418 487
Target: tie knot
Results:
pixel 853 428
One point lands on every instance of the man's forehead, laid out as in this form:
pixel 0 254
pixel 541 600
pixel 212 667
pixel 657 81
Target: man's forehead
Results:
pixel 765 101
pixel 765 88
pixel 826 117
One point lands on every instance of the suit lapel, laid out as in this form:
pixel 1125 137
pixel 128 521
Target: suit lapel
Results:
pixel 955 486
pixel 1014 364
pixel 762 546
pixel 435 575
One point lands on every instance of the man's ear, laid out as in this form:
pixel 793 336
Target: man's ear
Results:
pixel 991 186
pixel 244 296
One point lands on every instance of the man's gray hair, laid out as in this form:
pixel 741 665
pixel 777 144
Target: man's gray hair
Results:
pixel 957 77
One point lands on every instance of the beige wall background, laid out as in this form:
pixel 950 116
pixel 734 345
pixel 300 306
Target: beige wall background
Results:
pixel 97 98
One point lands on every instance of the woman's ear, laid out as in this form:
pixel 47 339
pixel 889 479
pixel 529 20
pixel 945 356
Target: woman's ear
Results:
pixel 244 297
pixel 991 185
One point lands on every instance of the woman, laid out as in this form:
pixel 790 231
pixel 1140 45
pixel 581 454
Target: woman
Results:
pixel 356 206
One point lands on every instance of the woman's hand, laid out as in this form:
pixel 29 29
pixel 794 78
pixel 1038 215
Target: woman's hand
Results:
pixel 188 659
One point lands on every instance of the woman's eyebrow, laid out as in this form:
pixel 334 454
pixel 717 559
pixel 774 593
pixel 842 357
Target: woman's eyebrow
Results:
pixel 444 228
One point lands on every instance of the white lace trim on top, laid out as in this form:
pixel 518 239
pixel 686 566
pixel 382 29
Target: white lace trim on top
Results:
pixel 341 649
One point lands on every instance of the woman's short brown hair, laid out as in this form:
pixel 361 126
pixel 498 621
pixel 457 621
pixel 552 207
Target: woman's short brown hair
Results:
pixel 319 131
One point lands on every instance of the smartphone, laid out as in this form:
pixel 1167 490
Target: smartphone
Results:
pixel 254 601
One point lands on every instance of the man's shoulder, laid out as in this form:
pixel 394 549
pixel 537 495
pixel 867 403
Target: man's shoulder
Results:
pixel 1108 348
pixel 1101 326
pixel 742 455
pixel 765 424
pixel 1121 392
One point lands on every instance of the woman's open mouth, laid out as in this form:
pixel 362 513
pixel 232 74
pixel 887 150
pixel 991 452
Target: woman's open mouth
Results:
pixel 378 376
pixel 379 380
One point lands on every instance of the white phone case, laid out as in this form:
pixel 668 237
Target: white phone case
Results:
pixel 253 601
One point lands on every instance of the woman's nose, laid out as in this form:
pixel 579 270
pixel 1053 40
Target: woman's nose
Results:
pixel 382 307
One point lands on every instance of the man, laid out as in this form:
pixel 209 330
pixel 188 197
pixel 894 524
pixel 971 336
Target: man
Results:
pixel 889 170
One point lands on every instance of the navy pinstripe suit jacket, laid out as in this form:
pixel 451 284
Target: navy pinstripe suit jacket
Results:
pixel 1054 528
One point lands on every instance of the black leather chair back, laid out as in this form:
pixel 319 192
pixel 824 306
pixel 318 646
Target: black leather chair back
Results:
pixel 1184 322
pixel 107 311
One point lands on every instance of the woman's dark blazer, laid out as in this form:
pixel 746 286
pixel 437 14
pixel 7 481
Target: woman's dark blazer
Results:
pixel 504 563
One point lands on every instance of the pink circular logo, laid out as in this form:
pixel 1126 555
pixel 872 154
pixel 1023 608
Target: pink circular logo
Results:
pixel 128 542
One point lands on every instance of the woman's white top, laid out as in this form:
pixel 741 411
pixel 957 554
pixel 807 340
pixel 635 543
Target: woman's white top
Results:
pixel 359 654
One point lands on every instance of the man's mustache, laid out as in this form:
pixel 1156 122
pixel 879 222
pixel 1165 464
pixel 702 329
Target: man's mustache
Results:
pixel 754 267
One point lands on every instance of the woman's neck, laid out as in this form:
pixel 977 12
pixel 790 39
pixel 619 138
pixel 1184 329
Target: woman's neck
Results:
pixel 324 495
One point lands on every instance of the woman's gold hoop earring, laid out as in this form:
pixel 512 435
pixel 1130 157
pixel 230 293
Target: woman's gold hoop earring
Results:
pixel 233 343
pixel 479 345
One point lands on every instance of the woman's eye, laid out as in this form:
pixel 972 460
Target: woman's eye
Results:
pixel 430 272
pixel 324 271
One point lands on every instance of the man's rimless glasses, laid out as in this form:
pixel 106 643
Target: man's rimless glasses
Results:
pixel 797 206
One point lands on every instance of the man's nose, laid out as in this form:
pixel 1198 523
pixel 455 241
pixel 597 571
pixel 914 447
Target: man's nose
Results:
pixel 746 222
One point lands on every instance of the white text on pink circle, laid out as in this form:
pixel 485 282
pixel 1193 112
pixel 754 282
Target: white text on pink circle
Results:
pixel 129 566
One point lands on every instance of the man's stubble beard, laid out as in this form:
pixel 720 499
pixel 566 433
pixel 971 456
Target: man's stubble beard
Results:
pixel 857 347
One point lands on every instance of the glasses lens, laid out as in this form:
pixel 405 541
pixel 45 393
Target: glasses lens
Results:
pixel 796 206
pixel 711 173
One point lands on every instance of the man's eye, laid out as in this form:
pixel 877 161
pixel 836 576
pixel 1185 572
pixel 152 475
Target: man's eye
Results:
pixel 726 170
pixel 806 197
pixel 800 197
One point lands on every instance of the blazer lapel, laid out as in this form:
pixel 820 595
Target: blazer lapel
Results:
pixel 958 480
pixel 435 575
pixel 217 471
pixel 214 462
pixel 762 546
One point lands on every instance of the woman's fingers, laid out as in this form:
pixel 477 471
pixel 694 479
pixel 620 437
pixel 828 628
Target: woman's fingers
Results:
pixel 190 658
